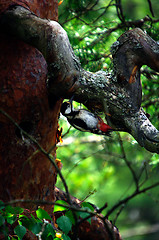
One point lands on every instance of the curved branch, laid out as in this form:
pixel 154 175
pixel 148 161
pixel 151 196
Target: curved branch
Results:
pixel 119 90
pixel 49 38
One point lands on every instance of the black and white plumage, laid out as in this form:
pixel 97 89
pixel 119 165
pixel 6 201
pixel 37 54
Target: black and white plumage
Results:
pixel 84 120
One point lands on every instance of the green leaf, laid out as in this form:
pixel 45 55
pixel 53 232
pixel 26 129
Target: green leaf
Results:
pixel 69 214
pixel 30 223
pixel 65 237
pixel 154 160
pixel 2 220
pixel 88 205
pixel 60 208
pixel 42 214
pixel 49 232
pixel 85 214
pixel 36 228
pixel 32 217
pixel 20 231
pixel 9 209
pixel 64 223
pixel 27 222
pixel 14 210
pixel 11 219
pixel 18 210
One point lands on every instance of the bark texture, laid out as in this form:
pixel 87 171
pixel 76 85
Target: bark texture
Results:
pixel 44 9
pixel 25 172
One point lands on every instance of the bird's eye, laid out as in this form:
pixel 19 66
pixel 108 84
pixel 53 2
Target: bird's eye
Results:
pixel 68 110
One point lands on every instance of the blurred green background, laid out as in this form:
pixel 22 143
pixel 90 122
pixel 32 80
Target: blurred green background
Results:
pixel 97 166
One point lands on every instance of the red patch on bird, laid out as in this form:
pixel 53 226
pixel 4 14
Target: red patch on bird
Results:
pixel 105 128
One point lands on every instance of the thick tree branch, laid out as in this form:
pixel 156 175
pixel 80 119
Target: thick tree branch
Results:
pixel 120 90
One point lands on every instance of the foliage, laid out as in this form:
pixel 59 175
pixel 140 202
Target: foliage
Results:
pixel 16 221
pixel 15 218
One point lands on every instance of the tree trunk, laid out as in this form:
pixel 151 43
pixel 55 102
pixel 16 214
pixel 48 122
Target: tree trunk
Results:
pixel 25 171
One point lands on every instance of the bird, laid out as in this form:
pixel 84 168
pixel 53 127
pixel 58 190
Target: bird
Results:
pixel 85 120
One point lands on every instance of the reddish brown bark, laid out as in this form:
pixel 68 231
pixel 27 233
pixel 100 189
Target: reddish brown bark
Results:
pixel 44 9
pixel 23 74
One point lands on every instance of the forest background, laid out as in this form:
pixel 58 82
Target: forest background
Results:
pixel 108 169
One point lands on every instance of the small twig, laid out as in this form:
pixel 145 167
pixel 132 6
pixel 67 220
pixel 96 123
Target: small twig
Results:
pixel 140 231
pixel 94 5
pixel 150 7
pixel 90 194
pixel 106 112
pixel 67 132
pixel 128 163
pixel 106 225
pixel 120 11
pixel 82 159
pixel 150 102
pixel 118 213
pixel 39 235
pixel 102 208
pixel 144 168
pixel 134 194
pixel 127 24
pixel 102 14
pixel 50 158
pixel 43 202
pixel 51 149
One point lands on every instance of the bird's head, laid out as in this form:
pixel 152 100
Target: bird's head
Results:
pixel 66 108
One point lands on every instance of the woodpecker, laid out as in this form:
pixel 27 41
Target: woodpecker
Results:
pixel 84 120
